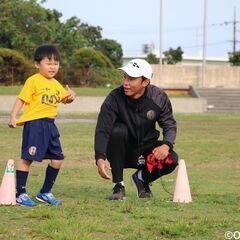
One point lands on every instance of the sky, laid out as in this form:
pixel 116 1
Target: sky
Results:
pixel 133 23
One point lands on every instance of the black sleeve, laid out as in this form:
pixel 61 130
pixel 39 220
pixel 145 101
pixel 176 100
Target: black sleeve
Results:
pixel 105 122
pixel 166 120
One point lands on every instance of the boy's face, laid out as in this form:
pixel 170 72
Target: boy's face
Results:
pixel 48 67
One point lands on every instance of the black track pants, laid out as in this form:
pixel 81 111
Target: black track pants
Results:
pixel 122 154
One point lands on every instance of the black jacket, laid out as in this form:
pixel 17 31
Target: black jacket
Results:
pixel 140 117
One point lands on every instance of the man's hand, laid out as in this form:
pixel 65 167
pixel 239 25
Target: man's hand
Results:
pixel 102 165
pixel 161 152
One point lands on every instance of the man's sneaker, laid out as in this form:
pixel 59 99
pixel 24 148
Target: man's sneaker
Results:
pixel 24 200
pixel 143 188
pixel 118 192
pixel 48 198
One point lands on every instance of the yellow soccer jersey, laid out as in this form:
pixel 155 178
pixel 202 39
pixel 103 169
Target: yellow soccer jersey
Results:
pixel 41 97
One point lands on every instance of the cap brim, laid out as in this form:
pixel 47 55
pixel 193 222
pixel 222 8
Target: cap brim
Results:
pixel 131 71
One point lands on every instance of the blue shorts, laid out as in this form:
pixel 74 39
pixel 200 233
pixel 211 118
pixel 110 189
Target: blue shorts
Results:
pixel 41 140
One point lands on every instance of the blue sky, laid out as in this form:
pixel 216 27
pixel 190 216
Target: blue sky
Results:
pixel 133 23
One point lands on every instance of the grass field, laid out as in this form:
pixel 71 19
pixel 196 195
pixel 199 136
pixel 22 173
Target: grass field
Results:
pixel 80 91
pixel 211 148
pixel 83 91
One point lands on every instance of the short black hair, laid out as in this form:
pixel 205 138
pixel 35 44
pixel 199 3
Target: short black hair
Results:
pixel 46 50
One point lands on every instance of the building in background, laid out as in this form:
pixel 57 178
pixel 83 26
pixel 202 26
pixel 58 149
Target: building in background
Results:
pixel 187 60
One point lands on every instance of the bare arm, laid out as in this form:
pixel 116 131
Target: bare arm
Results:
pixel 15 110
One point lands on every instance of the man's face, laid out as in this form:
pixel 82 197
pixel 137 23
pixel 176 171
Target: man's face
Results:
pixel 134 87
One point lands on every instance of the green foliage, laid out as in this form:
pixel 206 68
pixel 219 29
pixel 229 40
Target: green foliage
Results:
pixel 173 56
pixel 152 59
pixel 112 50
pixel 26 24
pixel 234 58
pixel 89 57
pixel 29 25
pixel 103 77
pixel 69 38
pixel 94 68
pixel 12 65
pixel 12 57
pixel 91 34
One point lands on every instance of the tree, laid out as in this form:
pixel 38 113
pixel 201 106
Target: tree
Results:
pixel 13 65
pixel 91 58
pixel 25 24
pixel 152 59
pixel 112 50
pixel 172 56
pixel 234 58
pixel 91 67
pixel 69 38
pixel 91 34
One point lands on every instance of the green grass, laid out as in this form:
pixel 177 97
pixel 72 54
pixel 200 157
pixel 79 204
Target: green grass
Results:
pixel 86 91
pixel 80 91
pixel 211 148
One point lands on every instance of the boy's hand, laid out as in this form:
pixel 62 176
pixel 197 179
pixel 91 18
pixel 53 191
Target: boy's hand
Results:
pixel 12 122
pixel 70 95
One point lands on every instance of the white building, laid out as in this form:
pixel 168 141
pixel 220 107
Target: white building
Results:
pixel 187 60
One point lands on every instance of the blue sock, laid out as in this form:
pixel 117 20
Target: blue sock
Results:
pixel 50 177
pixel 21 179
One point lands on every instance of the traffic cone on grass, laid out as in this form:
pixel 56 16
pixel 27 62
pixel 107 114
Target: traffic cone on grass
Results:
pixel 182 193
pixel 8 186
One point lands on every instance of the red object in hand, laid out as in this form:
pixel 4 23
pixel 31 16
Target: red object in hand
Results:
pixel 154 163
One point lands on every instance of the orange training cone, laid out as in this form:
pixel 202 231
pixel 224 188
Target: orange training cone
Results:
pixel 182 191
pixel 8 189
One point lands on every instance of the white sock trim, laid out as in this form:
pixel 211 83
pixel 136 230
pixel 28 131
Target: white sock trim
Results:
pixel 122 183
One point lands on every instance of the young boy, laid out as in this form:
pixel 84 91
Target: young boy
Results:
pixel 40 95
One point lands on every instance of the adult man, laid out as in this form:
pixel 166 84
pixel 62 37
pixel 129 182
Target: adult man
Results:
pixel 126 131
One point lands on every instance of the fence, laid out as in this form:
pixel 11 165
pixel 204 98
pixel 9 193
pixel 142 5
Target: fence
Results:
pixel 182 76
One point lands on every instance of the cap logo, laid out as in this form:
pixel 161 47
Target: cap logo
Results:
pixel 135 64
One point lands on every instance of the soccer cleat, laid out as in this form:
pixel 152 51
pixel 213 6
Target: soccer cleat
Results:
pixel 48 198
pixel 118 192
pixel 24 200
pixel 143 189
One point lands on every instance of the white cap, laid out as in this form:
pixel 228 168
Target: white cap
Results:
pixel 138 68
